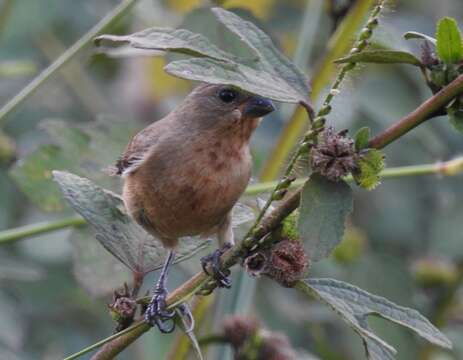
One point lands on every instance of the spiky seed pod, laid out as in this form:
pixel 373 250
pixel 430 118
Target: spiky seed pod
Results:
pixel 287 263
pixel 250 341
pixel 276 346
pixel 239 328
pixel 334 156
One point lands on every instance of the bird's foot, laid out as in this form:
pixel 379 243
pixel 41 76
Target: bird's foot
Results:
pixel 157 314
pixel 213 260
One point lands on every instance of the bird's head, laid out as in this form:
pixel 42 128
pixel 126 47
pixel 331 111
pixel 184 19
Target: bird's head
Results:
pixel 217 105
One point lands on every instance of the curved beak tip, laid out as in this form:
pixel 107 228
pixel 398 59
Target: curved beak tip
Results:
pixel 258 106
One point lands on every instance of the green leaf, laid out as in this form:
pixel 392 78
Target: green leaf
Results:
pixel 95 269
pixel 242 76
pixel 354 305
pixel 361 138
pixel 267 73
pixel 115 230
pixel 324 207
pixel 121 235
pixel 455 113
pixel 381 57
pixel 449 43
pixel 416 35
pixel 176 40
pixel 271 60
pixel 370 165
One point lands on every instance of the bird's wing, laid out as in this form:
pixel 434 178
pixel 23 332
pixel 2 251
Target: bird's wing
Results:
pixel 136 151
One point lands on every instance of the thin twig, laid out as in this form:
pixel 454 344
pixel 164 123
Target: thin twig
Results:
pixel 103 24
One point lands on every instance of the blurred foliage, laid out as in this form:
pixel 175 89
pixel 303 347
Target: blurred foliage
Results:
pixel 45 310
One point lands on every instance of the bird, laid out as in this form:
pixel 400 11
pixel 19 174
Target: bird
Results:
pixel 183 174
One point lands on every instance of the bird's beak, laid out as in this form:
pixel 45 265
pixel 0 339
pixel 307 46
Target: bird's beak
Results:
pixel 257 107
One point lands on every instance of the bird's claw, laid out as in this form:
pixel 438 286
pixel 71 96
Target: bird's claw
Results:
pixel 213 260
pixel 157 314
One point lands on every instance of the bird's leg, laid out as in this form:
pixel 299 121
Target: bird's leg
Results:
pixel 156 313
pixel 226 241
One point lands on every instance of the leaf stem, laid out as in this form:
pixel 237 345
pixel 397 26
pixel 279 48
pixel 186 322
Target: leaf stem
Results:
pixel 12 235
pixel 62 60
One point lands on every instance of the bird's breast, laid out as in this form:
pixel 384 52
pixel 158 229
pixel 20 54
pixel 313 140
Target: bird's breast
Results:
pixel 194 191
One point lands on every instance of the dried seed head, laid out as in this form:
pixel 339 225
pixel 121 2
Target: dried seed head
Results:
pixel 287 263
pixel 239 328
pixel 428 55
pixel 250 340
pixel 123 308
pixel 334 156
pixel 255 264
pixel 276 346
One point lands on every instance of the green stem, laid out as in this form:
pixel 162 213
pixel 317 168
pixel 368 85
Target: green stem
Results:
pixel 84 41
pixel 12 235
pixel 212 339
pixel 447 168
pixel 133 331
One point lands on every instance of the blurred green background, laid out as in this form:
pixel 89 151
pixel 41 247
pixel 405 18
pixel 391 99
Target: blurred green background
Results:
pixel 404 240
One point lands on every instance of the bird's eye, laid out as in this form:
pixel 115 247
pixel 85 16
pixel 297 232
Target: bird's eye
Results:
pixel 228 95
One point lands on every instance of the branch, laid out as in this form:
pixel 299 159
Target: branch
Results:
pixel 271 221
pixel 424 112
pixel 62 60
pixel 447 168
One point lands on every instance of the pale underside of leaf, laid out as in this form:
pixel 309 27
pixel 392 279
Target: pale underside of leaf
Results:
pixel 324 208
pixel 271 59
pixel 381 57
pixel 118 233
pixel 416 35
pixel 165 39
pixel 354 305
pixel 238 75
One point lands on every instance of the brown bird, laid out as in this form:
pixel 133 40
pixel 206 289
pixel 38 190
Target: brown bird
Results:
pixel 184 173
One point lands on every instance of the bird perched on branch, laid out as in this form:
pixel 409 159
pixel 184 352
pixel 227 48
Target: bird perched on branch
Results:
pixel 183 175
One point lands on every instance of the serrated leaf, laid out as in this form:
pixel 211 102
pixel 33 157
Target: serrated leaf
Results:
pixel 370 165
pixel 361 138
pixel 95 269
pixel 271 59
pixel 416 35
pixel 381 57
pixel 116 231
pixel 242 76
pixel 322 214
pixel 176 40
pixel 354 305
pixel 449 43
